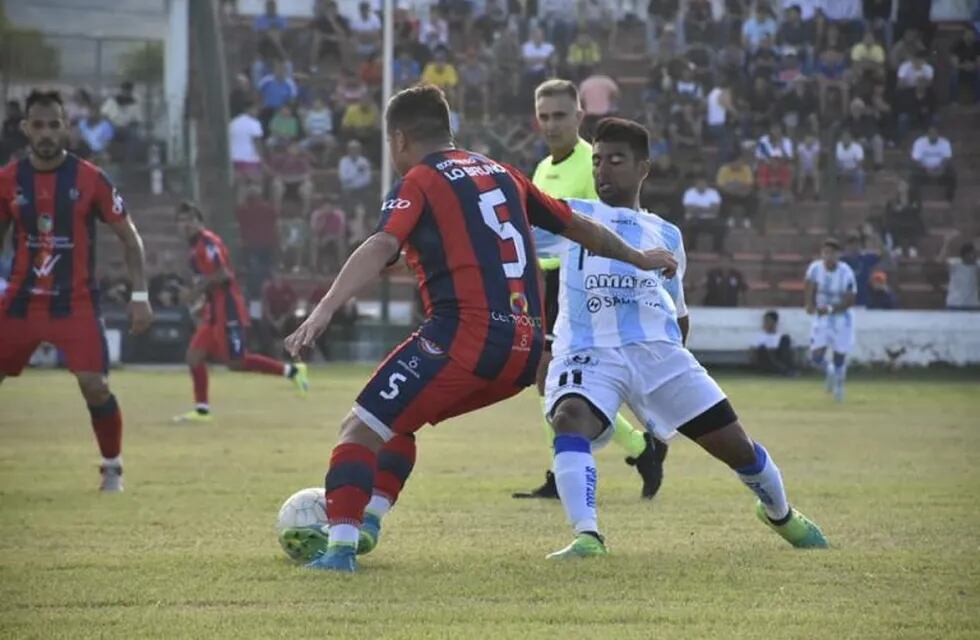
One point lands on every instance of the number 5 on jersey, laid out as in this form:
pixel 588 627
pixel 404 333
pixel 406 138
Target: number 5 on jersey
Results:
pixel 489 202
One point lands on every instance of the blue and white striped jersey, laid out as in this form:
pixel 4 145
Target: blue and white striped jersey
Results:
pixel 607 303
pixel 832 286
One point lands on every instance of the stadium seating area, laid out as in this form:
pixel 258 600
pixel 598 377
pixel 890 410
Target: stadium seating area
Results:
pixel 660 69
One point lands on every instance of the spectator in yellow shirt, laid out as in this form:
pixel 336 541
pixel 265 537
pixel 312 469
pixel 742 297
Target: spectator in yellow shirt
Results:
pixel 583 56
pixel 441 73
pixel 736 182
pixel 362 121
pixel 868 55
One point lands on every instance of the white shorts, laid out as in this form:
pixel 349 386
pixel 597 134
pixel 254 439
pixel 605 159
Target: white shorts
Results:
pixel 835 332
pixel 664 385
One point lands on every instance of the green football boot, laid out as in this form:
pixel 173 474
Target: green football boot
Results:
pixel 799 530
pixel 585 545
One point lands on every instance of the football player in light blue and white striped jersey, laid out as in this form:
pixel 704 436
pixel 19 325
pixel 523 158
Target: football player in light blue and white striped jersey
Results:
pixel 830 291
pixel 620 338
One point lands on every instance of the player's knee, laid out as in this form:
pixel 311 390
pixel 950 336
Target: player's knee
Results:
pixel 573 415
pixel 94 388
pixel 354 431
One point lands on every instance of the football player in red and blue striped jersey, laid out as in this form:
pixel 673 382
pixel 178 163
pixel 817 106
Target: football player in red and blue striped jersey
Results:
pixel 53 199
pixel 464 223
pixel 222 331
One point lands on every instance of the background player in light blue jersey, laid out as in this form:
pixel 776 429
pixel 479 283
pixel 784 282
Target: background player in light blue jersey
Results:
pixel 620 337
pixel 829 297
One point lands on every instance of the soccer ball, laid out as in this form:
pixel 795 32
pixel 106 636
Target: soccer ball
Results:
pixel 302 524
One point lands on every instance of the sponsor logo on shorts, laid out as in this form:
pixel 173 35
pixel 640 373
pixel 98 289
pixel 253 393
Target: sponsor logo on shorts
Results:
pixel 411 366
pixel 430 348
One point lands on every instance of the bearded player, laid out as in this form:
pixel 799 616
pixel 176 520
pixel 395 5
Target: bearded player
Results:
pixel 221 334
pixel 52 199
pixel 567 173
pixel 464 222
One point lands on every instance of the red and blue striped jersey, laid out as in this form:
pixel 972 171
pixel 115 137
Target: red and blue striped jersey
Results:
pixel 464 222
pixel 225 302
pixel 53 215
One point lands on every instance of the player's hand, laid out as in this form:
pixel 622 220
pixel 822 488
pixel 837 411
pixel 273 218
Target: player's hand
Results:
pixel 304 338
pixel 141 317
pixel 662 259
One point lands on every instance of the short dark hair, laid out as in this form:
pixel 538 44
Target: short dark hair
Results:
pixel 189 207
pixel 43 99
pixel 772 314
pixel 556 87
pixel 832 242
pixel 621 130
pixel 420 112
pixel 967 248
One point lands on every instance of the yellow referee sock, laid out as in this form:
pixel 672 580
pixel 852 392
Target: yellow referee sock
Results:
pixel 628 437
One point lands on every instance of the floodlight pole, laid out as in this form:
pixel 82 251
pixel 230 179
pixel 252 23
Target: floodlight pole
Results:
pixel 387 65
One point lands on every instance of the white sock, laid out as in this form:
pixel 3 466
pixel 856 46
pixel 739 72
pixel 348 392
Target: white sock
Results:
pixel 379 505
pixel 287 368
pixel 202 407
pixel 346 534
pixel 112 462
pixel 765 481
pixel 576 479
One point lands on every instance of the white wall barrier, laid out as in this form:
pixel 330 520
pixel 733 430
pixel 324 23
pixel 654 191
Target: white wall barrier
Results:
pixel 898 338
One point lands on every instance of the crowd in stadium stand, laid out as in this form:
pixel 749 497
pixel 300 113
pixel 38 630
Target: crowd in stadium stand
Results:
pixel 792 97
pixel 791 94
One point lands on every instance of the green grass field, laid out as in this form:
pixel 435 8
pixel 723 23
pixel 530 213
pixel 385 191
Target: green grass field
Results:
pixel 189 550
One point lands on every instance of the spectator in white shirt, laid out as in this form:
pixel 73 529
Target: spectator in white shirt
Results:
pixel 245 147
pixel 963 292
pixel 914 70
pixel 354 173
pixel 932 157
pixel 538 57
pixel 366 27
pixel 808 165
pixel 318 127
pixel 772 351
pixel 702 205
pixel 774 172
pixel 850 161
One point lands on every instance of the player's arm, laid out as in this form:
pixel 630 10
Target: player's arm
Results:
pixel 810 297
pixel 140 311
pixel 400 213
pixel 557 217
pixel 675 288
pixel 110 208
pixel 844 304
pixel 361 269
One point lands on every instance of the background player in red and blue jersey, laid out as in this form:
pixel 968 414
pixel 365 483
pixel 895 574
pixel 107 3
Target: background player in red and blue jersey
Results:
pixel 464 223
pixel 52 199
pixel 221 331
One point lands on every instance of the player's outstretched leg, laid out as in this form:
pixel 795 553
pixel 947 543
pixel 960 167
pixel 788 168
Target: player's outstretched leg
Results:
pixel 395 463
pixel 107 425
pixel 198 368
pixel 758 472
pixel 349 483
pixel 649 462
pixel 296 372
pixel 839 375
pixel 575 427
